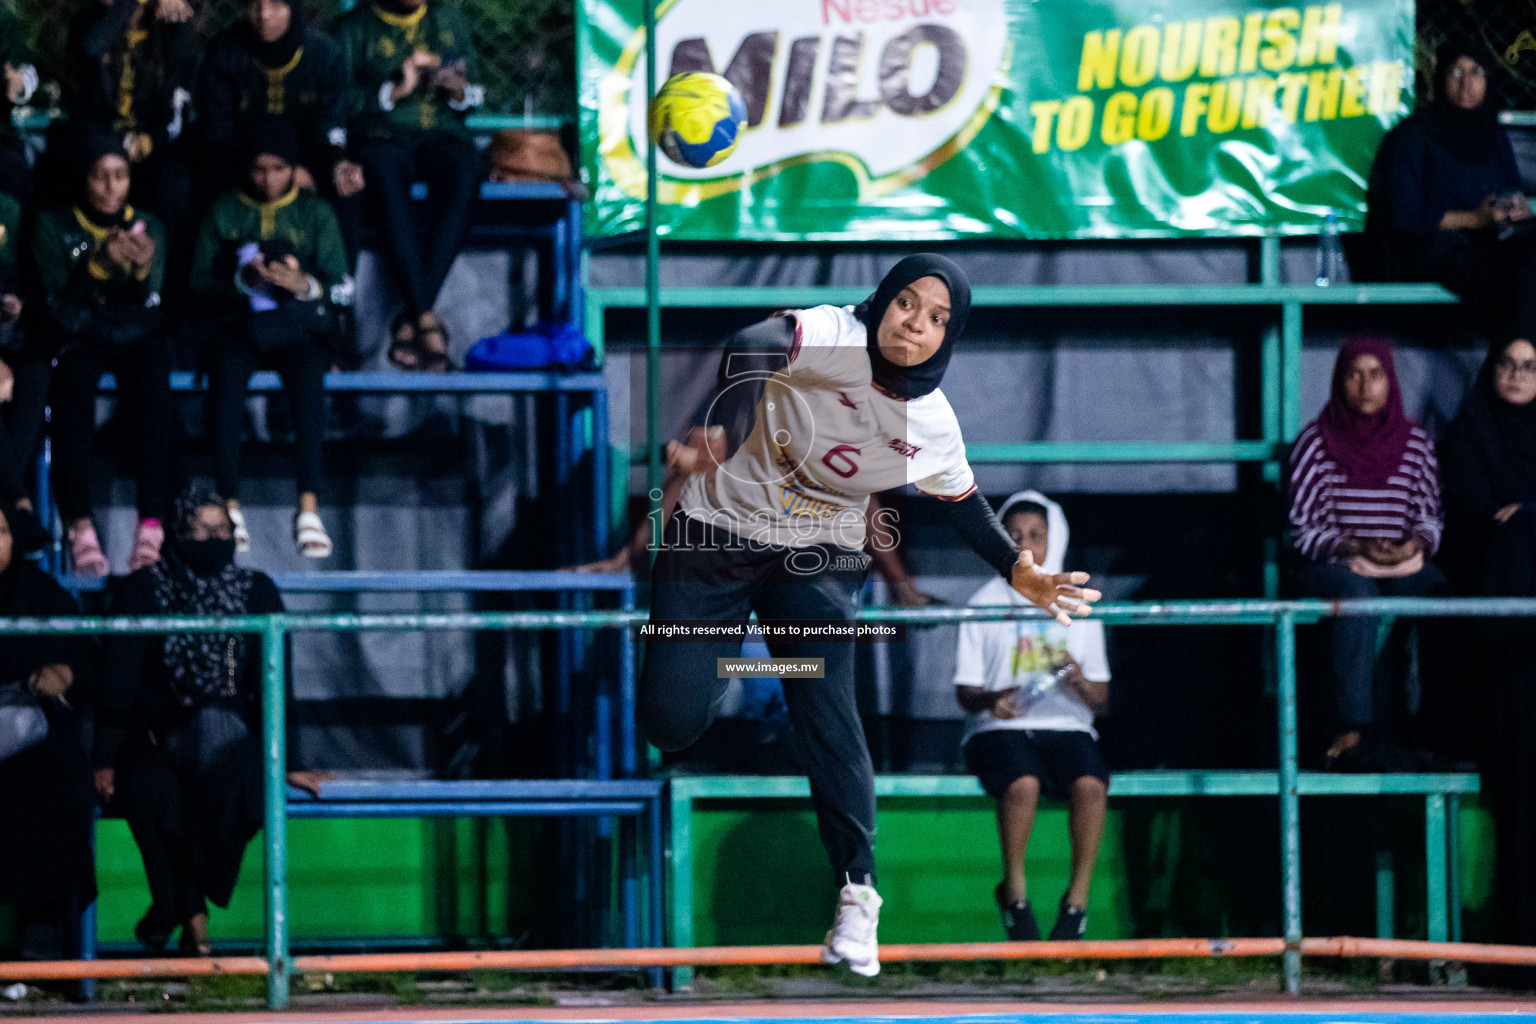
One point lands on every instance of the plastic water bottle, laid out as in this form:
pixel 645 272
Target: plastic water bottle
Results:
pixel 1328 251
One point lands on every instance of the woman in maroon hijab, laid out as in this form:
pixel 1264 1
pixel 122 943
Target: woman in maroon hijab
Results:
pixel 1365 518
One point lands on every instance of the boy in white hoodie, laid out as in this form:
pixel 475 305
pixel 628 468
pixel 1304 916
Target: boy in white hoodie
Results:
pixel 1032 688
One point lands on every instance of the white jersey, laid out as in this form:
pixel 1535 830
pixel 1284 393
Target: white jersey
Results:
pixel 1024 653
pixel 823 441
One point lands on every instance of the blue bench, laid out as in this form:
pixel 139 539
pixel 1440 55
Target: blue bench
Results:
pixel 363 382
pixel 580 414
pixel 516 211
pixel 636 801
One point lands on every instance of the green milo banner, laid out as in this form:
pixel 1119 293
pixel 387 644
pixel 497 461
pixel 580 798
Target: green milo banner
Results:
pixel 908 119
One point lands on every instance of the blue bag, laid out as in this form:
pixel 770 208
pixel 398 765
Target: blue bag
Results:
pixel 549 345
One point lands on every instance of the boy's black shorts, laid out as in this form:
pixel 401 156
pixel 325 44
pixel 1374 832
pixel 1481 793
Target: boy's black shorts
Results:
pixel 1057 757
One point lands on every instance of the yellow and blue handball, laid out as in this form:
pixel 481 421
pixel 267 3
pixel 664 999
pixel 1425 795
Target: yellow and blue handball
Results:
pixel 697 119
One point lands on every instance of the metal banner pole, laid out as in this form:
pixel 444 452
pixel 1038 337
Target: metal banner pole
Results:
pixel 652 280
pixel 274 701
pixel 1290 803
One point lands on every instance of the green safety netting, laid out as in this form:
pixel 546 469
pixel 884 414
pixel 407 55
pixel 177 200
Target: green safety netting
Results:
pixel 1506 27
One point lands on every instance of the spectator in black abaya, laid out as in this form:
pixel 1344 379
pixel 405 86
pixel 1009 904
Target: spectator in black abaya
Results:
pixel 273 63
pixel 1446 202
pixel 1489 477
pixel 134 68
pixel 178 736
pixel 46 866
pixel 1488 473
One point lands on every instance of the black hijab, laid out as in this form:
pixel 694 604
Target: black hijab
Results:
pixel 88 150
pixel 268 135
pixel 280 51
pixel 1504 434
pixel 915 381
pixel 1469 135
pixel 271 135
pixel 199 577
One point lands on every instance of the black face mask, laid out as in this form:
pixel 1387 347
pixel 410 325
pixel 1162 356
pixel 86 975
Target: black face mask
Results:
pixel 206 557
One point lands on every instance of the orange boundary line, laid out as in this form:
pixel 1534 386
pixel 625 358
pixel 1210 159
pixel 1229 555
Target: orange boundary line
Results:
pixel 1407 949
pixel 910 1011
pixel 158 967
pixel 712 956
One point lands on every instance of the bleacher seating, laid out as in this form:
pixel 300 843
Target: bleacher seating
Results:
pixel 1441 793
pixel 548 213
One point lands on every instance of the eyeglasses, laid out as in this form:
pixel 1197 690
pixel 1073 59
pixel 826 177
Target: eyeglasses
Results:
pixel 1507 367
pixel 1472 72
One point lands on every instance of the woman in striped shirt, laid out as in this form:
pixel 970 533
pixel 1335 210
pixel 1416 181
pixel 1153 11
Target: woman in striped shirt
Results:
pixel 1365 517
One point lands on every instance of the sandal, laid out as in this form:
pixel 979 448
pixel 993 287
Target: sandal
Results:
pixel 309 536
pixel 434 354
pixel 86 554
pixel 194 937
pixel 146 544
pixel 242 535
pixel 151 939
pixel 403 354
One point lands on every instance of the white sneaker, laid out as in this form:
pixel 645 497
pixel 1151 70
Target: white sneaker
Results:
pixel 852 937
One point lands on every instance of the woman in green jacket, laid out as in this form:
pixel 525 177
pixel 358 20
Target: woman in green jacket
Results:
pixel 412 68
pixel 100 266
pixel 268 275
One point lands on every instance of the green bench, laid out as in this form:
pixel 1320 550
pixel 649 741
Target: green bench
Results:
pixel 1441 793
pixel 1280 366
pixel 1279 418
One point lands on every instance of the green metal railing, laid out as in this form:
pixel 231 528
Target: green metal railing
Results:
pixel 1282 616
pixel 1279 360
pixel 1279 355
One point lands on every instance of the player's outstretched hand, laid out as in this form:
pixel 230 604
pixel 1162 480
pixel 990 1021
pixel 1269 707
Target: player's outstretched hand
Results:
pixel 1061 594
pixel 704 451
